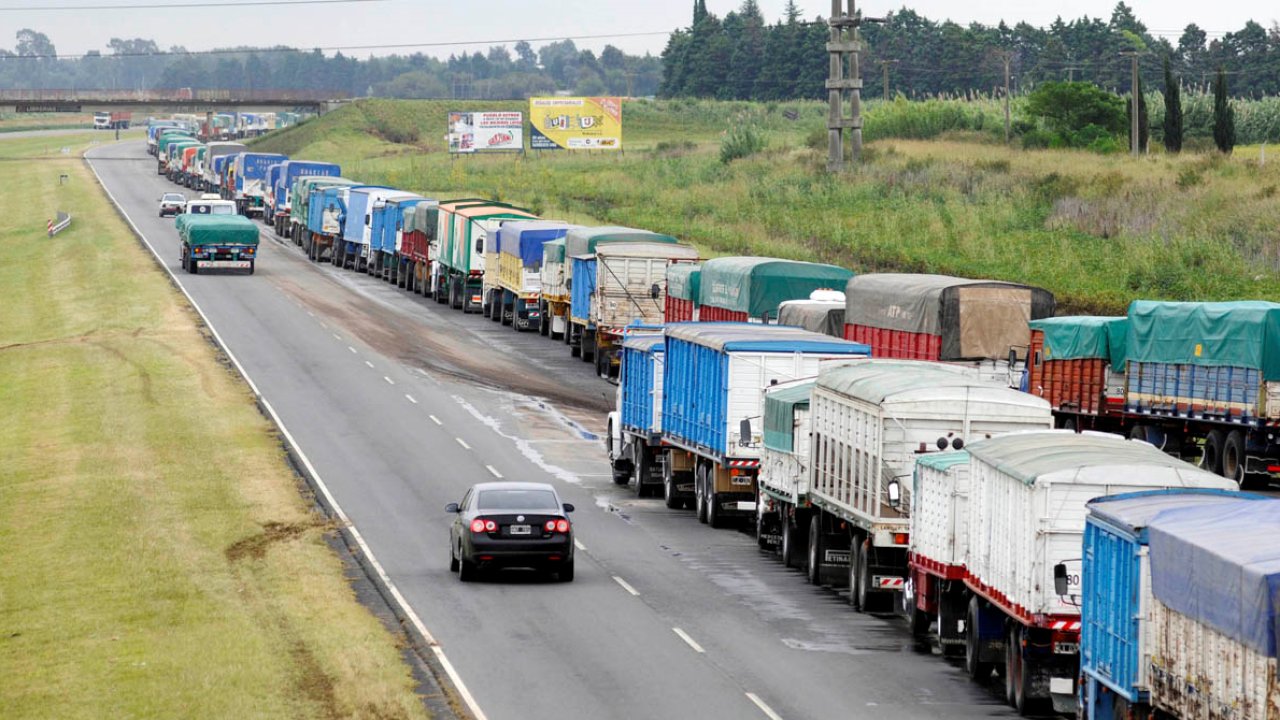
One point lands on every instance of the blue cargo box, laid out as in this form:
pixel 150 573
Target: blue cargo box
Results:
pixel 273 177
pixel 714 375
pixel 332 199
pixel 1116 582
pixel 582 288
pixel 640 383
pixel 524 239
pixel 254 166
pixel 291 170
pixel 388 222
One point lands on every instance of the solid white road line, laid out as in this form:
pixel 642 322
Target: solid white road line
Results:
pixel 409 397
pixel 435 419
pixel 366 362
pixel 626 586
pixel 463 443
pixel 493 471
pixel 430 639
pixel 685 637
pixel 764 708
pixel 389 380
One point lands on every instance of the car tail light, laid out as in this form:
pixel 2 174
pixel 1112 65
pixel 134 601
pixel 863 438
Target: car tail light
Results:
pixel 550 526
pixel 483 525
pixel 562 526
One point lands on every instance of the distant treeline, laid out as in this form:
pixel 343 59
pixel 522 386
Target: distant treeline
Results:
pixel 740 57
pixel 499 73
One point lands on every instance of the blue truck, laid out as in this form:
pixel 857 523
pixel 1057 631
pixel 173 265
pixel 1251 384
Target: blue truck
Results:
pixel 1124 661
pixel 281 184
pixel 353 250
pixel 247 178
pixel 713 379
pixel 386 234
pixel 326 215
pixel 269 195
pixel 635 427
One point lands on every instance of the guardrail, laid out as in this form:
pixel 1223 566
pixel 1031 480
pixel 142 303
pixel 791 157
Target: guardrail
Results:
pixel 62 223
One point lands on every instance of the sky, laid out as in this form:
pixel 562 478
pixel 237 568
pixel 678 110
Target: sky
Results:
pixel 382 22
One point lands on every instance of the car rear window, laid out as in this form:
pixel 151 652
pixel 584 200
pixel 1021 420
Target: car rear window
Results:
pixel 517 500
pixel 173 196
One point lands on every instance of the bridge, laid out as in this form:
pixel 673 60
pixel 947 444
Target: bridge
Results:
pixel 176 100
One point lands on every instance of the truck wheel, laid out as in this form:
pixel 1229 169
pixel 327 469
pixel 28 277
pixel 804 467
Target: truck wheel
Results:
pixel 1012 667
pixel 544 327
pixel 974 666
pixel 251 264
pixel 1233 460
pixel 699 493
pixel 865 597
pixel 1214 443
pixel 814 567
pixel 1025 699
pixel 715 517
pixel 920 628
pixel 669 496
pixel 792 542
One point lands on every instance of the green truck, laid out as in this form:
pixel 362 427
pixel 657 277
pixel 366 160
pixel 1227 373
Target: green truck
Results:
pixel 217 242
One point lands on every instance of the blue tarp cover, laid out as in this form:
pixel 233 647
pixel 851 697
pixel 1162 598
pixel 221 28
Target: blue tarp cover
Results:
pixel 749 337
pixel 525 239
pixel 1220 565
pixel 1133 512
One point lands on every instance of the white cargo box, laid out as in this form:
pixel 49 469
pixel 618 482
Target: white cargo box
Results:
pixel 1028 505
pixel 940 510
pixel 871 420
pixel 784 457
pixel 625 276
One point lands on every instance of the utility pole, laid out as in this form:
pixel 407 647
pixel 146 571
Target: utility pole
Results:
pixel 843 48
pixel 1133 91
pixel 884 65
pixel 1008 58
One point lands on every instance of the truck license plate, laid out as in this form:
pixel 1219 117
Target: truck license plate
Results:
pixel 232 264
pixel 521 529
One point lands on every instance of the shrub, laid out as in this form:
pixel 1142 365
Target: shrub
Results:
pixel 742 140
pixel 1068 107
pixel 1037 139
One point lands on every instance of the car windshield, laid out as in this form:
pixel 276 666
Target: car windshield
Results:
pixel 517 500
pixel 173 197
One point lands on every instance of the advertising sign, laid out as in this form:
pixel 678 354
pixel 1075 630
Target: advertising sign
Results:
pixel 485 132
pixel 559 123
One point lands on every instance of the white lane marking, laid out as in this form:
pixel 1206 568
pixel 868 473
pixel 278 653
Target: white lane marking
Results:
pixel 579 545
pixel 463 443
pixel 626 586
pixel 353 350
pixel 311 313
pixel 336 336
pixel 400 600
pixel 389 380
pixel 435 419
pixel 326 327
pixel 409 397
pixel 493 471
pixel 366 362
pixel 685 637
pixel 764 708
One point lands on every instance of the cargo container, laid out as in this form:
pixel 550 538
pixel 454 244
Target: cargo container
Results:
pixel 387 237
pixel 635 427
pixel 1116 641
pixel 171 156
pixel 300 196
pixel 211 177
pixel 1027 509
pixel 248 175
pixel 554 301
pixel 939 541
pixel 750 289
pixel 1215 582
pixel 186 166
pixel 326 221
pixel 870 422
pixel 163 139
pixel 519 266
pixel 216 242
pixel 282 184
pixel 417 243
pixel 822 313
pixel 269 195
pixel 713 378
pixel 982 323
pixel 683 281
pixel 462 226
pixel 1077 364
pixel 784 467
pixel 357 224
pixel 154 128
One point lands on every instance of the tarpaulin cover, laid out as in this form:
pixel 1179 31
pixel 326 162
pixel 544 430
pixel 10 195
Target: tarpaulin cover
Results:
pixel 1220 565
pixel 1102 458
pixel 1134 511
pixel 1077 336
pixel 525 239
pixel 976 319
pixel 751 337
pixel 583 240
pixel 218 230
pixel 1118 342
pixel 780 415
pixel 1236 334
pixel 757 286
pixel 421 217
pixel 553 251
pixel 820 316
pixel 943 461
pixel 877 380
pixel 683 280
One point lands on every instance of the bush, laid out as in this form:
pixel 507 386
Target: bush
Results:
pixel 742 140
pixel 1037 139
pixel 1068 107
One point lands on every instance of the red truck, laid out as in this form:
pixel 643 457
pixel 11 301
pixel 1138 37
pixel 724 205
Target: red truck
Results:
pixel 112 120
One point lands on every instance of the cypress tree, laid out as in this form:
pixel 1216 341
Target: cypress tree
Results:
pixel 1172 111
pixel 1224 117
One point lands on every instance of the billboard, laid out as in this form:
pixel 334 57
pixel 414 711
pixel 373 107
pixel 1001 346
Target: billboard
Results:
pixel 562 123
pixel 485 132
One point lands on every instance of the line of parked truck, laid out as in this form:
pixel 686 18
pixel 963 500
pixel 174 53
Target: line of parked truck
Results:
pixel 1011 482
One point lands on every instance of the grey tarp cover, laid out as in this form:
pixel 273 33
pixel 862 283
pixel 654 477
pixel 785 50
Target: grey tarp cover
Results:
pixel 780 415
pixel 1220 565
pixel 820 316
pixel 683 280
pixel 876 380
pixel 977 319
pixel 583 240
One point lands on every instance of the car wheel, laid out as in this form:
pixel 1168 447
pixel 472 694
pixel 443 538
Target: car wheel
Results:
pixel 453 561
pixel 466 570
pixel 565 573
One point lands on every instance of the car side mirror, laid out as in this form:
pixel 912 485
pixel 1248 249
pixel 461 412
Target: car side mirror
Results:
pixel 894 489
pixel 655 292
pixel 1060 579
pixel 568 507
pixel 451 508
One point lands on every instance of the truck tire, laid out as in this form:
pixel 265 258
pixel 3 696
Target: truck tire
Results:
pixel 1023 682
pixel 251 264
pixel 715 517
pixel 1233 459
pixel 977 669
pixel 1214 444
pixel 792 543
pixel 699 493
pixel 813 568
pixel 1012 666
pixel 861 594
pixel 669 496
pixel 544 327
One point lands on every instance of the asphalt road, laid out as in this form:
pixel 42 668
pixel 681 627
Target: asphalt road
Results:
pixel 401 404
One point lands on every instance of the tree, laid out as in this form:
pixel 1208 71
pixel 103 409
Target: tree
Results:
pixel 747 56
pixel 1224 117
pixel 1071 106
pixel 1172 111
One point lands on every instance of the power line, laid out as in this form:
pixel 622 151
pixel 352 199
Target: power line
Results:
pixel 174 6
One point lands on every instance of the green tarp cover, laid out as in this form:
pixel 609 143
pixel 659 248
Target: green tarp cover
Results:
pixel 943 461
pixel 1079 336
pixel 218 230
pixel 583 241
pixel 553 252
pixel 1118 342
pixel 1236 334
pixel 683 280
pixel 780 413
pixel 757 286
pixel 1027 456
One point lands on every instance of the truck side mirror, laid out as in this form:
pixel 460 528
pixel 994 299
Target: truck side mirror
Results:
pixel 568 283
pixel 744 432
pixel 1013 357
pixel 1060 579
pixel 655 292
pixel 894 489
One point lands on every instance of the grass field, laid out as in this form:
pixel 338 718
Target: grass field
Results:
pixel 1099 231
pixel 13 122
pixel 160 558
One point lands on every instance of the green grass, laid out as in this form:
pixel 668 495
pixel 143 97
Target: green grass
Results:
pixel 1099 231
pixel 160 558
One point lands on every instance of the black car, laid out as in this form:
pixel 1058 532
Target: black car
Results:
pixel 511 524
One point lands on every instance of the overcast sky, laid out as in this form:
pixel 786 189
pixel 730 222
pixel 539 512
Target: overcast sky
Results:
pixel 433 21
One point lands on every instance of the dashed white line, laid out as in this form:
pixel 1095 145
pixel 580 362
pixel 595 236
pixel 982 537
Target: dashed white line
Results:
pixel 389 380
pixel 764 708
pixel 366 362
pixel 311 313
pixel 579 545
pixel 493 471
pixel 336 336
pixel 353 350
pixel 463 443
pixel 435 419
pixel 326 327
pixel 409 397
pixel 627 586
pixel 688 640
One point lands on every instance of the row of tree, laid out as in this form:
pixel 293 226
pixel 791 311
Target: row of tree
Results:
pixel 141 64
pixel 742 57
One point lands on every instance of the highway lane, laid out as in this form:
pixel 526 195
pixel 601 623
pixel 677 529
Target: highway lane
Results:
pixel 401 404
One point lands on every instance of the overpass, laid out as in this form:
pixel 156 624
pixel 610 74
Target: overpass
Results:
pixel 177 100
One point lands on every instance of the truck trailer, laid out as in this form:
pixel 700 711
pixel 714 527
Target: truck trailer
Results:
pixel 300 197
pixel 248 175
pixel 750 289
pixel 417 245
pixel 683 282
pixel 387 237
pixel 554 300
pixel 357 224
pixel 282 185
pixel 458 270
pixel 519 267
pixel 635 427
pixel 210 175
pixel 1077 363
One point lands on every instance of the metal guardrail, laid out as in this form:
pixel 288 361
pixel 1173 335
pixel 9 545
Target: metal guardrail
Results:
pixel 62 223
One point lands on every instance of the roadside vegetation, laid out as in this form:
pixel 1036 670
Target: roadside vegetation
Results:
pixel 160 557
pixel 16 122
pixel 938 192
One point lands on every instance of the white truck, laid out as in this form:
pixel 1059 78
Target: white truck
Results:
pixel 783 483
pixel 870 422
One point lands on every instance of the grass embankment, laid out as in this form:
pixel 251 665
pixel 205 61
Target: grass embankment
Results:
pixel 15 122
pixel 160 559
pixel 1097 230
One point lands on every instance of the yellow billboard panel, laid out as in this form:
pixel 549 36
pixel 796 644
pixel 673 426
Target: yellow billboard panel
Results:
pixel 564 123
